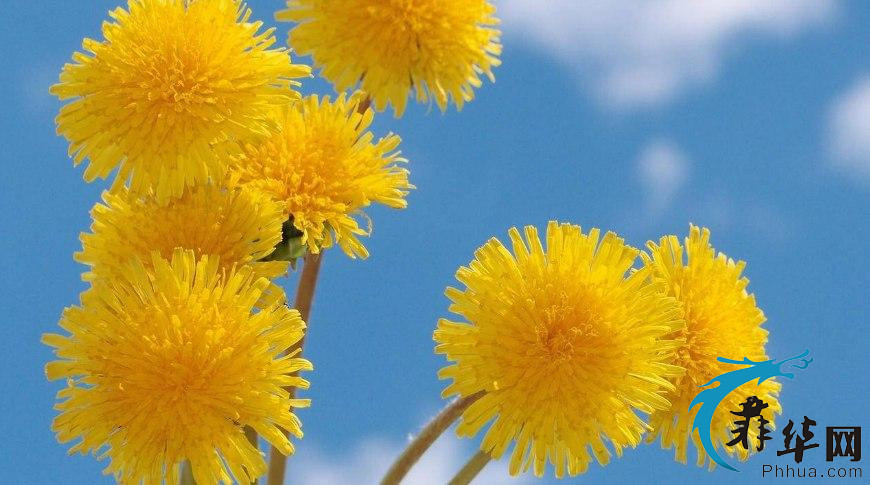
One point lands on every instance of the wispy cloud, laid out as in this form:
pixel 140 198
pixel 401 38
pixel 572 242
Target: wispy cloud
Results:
pixel 849 129
pixel 645 53
pixel 662 170
pixel 33 83
pixel 367 462
pixel 752 218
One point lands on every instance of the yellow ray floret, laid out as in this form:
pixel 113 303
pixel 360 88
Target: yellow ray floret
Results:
pixel 168 363
pixel 238 227
pixel 171 90
pixel 722 320
pixel 438 48
pixel 565 344
pixel 324 168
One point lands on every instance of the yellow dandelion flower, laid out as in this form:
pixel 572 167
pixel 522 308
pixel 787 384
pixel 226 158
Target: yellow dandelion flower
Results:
pixel 565 343
pixel 438 48
pixel 170 92
pixel 722 320
pixel 169 364
pixel 325 168
pixel 238 227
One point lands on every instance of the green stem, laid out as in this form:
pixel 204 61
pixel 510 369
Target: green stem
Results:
pixel 304 298
pixel 187 474
pixel 427 436
pixel 251 434
pixel 471 469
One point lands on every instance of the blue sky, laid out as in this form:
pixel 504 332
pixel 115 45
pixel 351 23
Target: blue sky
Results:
pixel 752 118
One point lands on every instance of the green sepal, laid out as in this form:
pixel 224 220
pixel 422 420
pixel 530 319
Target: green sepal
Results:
pixel 291 247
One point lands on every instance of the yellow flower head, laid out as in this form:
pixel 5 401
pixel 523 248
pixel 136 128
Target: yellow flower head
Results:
pixel 237 227
pixel 722 320
pixel 439 48
pixel 168 364
pixel 324 168
pixel 173 88
pixel 564 346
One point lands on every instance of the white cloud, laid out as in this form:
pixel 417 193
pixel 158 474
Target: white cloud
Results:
pixel 33 83
pixel 370 459
pixel 640 53
pixel 662 170
pixel 849 129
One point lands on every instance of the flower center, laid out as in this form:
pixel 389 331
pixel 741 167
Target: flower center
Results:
pixel 565 332
pixel 701 341
pixel 176 82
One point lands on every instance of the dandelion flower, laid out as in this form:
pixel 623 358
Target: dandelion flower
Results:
pixel 169 363
pixel 438 48
pixel 237 227
pixel 722 320
pixel 324 168
pixel 565 344
pixel 171 90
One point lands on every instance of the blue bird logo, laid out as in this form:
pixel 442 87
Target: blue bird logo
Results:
pixel 729 381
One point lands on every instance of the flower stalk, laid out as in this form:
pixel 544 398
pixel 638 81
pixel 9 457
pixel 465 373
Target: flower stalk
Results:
pixel 427 436
pixel 304 299
pixel 187 474
pixel 254 439
pixel 472 468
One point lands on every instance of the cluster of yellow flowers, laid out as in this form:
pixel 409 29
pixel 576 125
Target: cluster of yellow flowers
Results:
pixel 563 342
pixel 183 349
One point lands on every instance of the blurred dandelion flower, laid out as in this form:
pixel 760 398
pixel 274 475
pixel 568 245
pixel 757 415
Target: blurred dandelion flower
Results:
pixel 722 320
pixel 168 363
pixel 238 227
pixel 170 92
pixel 324 168
pixel 565 344
pixel 438 48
